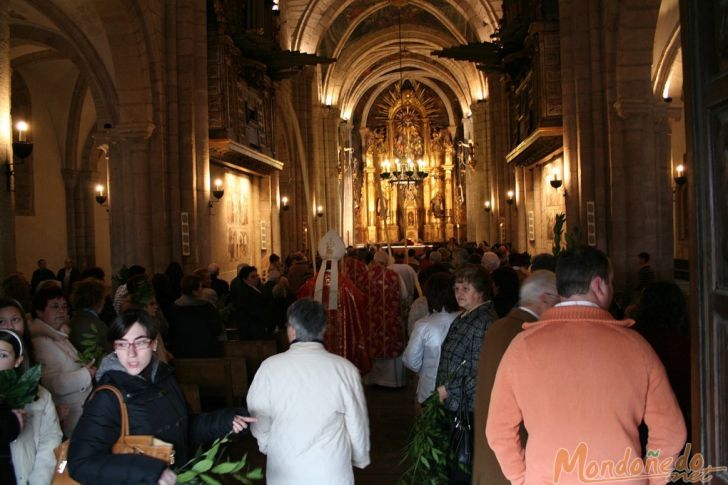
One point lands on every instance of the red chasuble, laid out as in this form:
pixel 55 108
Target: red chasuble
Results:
pixel 345 331
pixel 386 335
pixel 356 271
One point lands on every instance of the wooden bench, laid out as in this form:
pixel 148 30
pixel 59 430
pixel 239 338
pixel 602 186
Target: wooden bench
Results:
pixel 226 377
pixel 254 352
pixel 192 396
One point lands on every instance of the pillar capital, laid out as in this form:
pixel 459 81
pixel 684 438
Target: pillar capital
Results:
pixel 126 133
pixel 628 108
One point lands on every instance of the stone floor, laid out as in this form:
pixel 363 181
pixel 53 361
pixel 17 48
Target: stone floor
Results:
pixel 391 413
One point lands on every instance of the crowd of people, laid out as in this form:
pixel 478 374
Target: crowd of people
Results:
pixel 532 351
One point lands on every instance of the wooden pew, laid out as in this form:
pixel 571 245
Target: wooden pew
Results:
pixel 254 352
pixel 192 396
pixel 226 377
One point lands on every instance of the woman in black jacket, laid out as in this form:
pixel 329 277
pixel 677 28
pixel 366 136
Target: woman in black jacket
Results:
pixel 156 406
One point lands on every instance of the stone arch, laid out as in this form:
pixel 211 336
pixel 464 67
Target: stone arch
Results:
pixel 385 84
pixel 666 48
pixel 385 44
pixel 86 61
pixel 635 31
pixel 318 15
pixel 425 70
pixel 130 42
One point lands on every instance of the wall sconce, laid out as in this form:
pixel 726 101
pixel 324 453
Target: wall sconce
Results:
pixel 319 211
pixel 509 197
pixel 555 181
pixel 284 203
pixel 101 196
pixel 680 178
pixel 218 191
pixel 22 148
pixel 486 206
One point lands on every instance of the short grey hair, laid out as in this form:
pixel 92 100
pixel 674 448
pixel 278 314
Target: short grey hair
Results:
pixel 539 282
pixel 490 261
pixel 435 256
pixel 308 318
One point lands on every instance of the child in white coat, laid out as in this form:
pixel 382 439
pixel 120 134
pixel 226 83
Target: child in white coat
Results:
pixel 29 435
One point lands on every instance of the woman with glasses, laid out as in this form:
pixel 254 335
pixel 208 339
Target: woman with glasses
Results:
pixel 156 406
pixel 68 381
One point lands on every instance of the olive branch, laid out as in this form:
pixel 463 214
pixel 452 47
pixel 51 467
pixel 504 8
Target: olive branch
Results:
pixel 201 468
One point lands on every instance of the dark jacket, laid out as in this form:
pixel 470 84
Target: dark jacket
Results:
pixel 193 328
pixel 40 275
pixel 252 313
pixel 156 407
pixel 486 469
pixel 463 343
pixel 74 276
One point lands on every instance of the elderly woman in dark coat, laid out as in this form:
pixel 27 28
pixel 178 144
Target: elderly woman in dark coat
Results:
pixel 461 349
pixel 156 406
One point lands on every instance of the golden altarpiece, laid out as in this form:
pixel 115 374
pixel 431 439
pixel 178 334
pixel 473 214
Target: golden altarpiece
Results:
pixel 408 187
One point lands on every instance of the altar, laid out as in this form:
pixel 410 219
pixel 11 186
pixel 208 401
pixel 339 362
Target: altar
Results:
pixel 408 188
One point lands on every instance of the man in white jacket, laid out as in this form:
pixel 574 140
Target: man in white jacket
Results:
pixel 312 415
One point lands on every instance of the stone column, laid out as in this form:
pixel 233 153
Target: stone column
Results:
pixel 86 242
pixel 371 199
pixel 8 261
pixel 449 194
pixel 129 197
pixel 477 182
pixel 70 183
pixel 646 222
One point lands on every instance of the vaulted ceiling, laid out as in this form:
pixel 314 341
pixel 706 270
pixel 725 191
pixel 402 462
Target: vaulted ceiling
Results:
pixel 378 43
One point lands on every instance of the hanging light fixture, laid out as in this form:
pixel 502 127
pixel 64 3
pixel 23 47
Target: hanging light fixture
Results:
pixel 405 171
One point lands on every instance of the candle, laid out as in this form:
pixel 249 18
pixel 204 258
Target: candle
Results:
pixel 100 190
pixel 218 184
pixel 284 201
pixel 421 165
pixel 487 204
pixel 22 126
pixel 397 164
pixel 410 165
pixel 510 194
pixel 385 166
pixel 680 170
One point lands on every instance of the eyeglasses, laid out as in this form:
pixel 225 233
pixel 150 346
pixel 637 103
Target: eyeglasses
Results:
pixel 138 344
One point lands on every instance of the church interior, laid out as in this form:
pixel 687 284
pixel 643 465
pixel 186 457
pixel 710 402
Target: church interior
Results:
pixel 199 131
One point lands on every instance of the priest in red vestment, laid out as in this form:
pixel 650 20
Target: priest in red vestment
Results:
pixel 384 320
pixel 345 304
pixel 356 270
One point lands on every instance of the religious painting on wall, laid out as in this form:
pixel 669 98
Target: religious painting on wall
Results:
pixel 237 216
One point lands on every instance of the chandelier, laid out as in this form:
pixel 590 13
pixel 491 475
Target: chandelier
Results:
pixel 407 172
pixel 404 173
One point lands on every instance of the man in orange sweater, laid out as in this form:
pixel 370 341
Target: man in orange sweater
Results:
pixel 582 383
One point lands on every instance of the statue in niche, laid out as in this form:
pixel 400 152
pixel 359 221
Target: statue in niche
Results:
pixel 446 138
pixel 376 141
pixel 437 140
pixel 408 141
pixel 437 205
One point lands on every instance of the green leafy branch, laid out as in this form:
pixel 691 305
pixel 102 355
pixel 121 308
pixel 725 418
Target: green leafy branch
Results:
pixel 91 351
pixel 17 391
pixel 201 468
pixel 573 238
pixel 428 448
